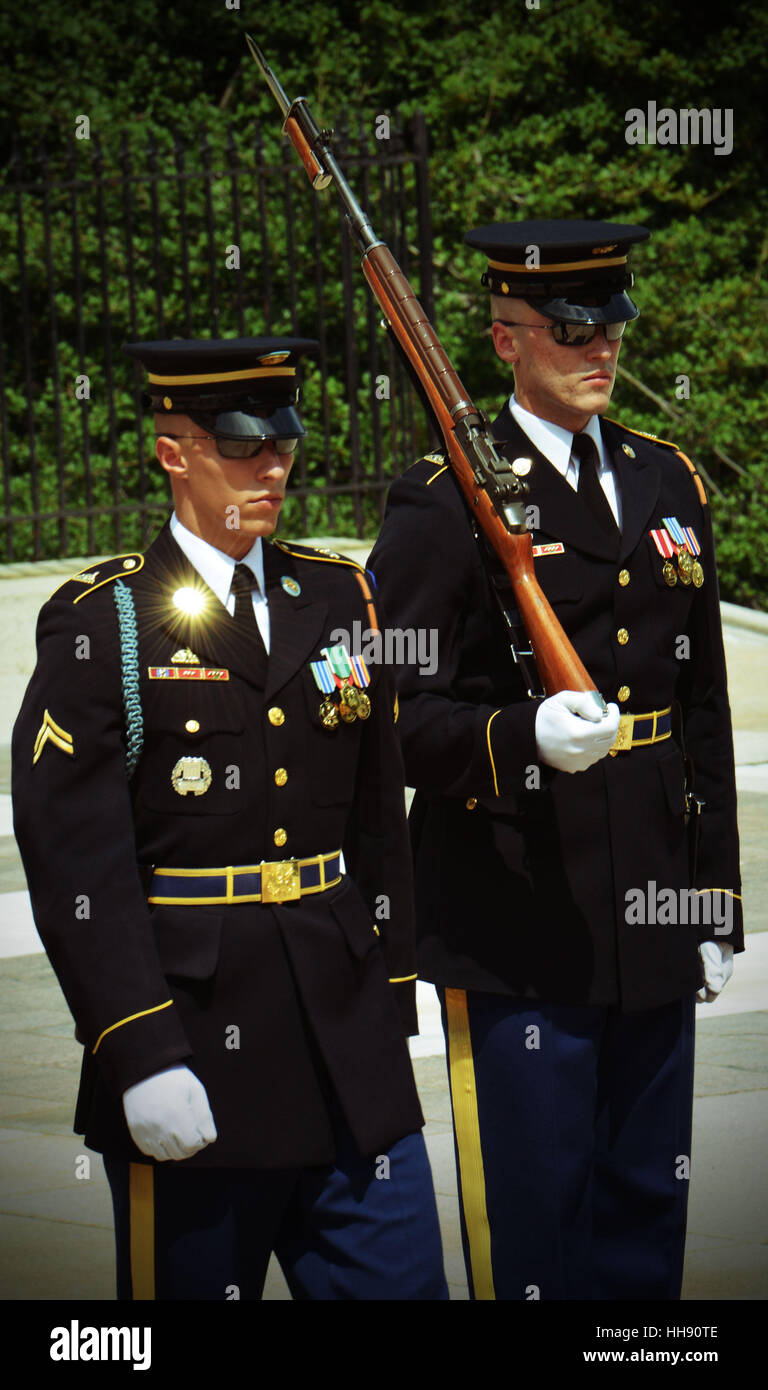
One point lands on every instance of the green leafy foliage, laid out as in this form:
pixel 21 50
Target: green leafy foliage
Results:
pixel 526 110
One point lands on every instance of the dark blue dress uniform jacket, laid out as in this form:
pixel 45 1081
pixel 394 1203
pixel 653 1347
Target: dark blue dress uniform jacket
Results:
pixel 306 983
pixel 522 890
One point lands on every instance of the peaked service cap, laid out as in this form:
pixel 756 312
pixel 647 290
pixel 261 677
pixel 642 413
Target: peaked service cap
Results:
pixel 572 271
pixel 233 387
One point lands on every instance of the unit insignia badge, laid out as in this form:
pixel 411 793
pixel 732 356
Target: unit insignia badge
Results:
pixel 191 775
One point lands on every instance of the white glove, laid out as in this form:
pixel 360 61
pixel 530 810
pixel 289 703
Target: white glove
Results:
pixel 717 959
pixel 571 734
pixel 168 1114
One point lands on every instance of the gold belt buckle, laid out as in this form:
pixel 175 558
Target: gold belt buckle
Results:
pixel 281 881
pixel 623 740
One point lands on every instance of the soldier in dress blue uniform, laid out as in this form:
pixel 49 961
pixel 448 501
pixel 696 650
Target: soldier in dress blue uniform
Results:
pixel 208 796
pixel 571 900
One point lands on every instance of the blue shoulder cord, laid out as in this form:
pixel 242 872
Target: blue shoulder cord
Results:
pixel 129 653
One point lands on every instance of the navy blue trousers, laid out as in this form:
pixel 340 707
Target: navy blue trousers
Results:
pixel 363 1228
pixel 573 1138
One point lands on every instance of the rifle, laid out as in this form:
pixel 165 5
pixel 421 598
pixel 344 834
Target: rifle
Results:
pixel 494 494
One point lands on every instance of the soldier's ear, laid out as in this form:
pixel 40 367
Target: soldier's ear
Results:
pixel 170 456
pixel 504 342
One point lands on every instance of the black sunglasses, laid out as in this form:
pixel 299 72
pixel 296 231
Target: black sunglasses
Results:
pixel 573 334
pixel 246 448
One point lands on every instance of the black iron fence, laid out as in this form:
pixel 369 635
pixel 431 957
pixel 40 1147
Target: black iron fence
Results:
pixel 106 242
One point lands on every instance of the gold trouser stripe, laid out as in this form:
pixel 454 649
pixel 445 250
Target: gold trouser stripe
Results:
pixel 401 979
pixel 156 1009
pixel 490 750
pixel 467 1126
pixel 202 378
pixel 596 264
pixel 141 1193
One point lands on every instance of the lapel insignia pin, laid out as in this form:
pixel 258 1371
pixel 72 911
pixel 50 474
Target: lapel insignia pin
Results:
pixel 291 586
pixel 629 451
pixel 185 657
pixel 522 467
pixel 190 602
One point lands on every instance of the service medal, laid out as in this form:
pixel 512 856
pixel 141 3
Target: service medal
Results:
pixel 692 539
pixel 663 542
pixel 329 714
pixel 685 566
pixel 360 672
pixel 347 714
pixel 670 573
pixel 323 677
pixel 697 573
pixel 674 529
pixel 364 707
pixel 338 659
pixel 351 696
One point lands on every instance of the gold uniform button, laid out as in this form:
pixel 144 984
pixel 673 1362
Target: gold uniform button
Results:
pixel 471 803
pixel 280 838
pixel 623 578
pixel 281 777
pixel 622 637
pixel 623 692
pixel 192 726
pixel 275 715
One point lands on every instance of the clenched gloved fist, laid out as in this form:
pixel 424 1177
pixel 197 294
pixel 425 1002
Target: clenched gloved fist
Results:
pixel 717 959
pixel 168 1114
pixel 571 734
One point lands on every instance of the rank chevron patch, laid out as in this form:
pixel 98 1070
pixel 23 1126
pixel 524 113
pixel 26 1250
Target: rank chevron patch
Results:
pixel 51 732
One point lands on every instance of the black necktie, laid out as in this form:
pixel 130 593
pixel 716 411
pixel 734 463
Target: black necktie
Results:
pixel 243 581
pixel 589 489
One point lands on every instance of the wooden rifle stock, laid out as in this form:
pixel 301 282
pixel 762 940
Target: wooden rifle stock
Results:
pixel 493 493
pixel 559 665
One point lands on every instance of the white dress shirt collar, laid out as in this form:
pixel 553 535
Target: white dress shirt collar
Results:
pixel 213 565
pixel 554 442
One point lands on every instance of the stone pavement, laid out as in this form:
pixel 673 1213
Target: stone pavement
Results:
pixel 55 1216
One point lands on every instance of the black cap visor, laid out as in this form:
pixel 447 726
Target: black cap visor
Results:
pixel 281 423
pixel 586 308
